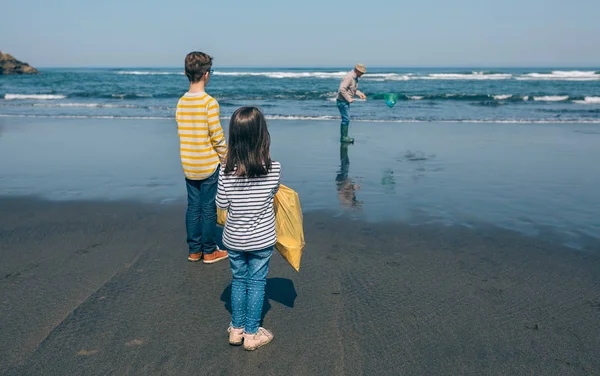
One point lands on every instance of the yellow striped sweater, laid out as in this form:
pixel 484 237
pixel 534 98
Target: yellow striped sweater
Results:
pixel 201 138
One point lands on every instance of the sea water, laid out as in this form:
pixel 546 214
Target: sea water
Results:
pixel 541 95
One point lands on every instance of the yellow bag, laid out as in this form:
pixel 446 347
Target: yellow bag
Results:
pixel 288 225
pixel 221 216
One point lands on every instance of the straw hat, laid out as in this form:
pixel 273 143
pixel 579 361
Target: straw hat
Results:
pixel 361 68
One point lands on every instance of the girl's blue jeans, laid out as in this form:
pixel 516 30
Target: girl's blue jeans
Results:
pixel 249 270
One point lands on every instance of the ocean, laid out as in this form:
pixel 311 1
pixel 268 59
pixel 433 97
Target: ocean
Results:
pixel 534 95
pixel 515 148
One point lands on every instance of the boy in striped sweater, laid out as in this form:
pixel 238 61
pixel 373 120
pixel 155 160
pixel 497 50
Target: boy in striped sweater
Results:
pixel 202 149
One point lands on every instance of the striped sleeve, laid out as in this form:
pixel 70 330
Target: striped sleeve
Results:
pixel 222 200
pixel 217 136
pixel 276 189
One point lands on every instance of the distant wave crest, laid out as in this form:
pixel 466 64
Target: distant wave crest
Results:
pixel 551 98
pixel 294 117
pixel 573 75
pixel 374 76
pixel 562 76
pixel 149 73
pixel 468 76
pixel 33 96
pixel 305 118
pixel 284 74
pixel 589 100
pixel 86 105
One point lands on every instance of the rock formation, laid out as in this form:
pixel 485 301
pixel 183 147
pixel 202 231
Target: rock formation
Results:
pixel 10 65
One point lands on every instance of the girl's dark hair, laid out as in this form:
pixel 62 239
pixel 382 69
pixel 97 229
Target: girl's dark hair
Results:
pixel 248 152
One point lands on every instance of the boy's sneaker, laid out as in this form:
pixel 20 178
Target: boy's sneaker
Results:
pixel 236 336
pixel 195 257
pixel 216 256
pixel 254 341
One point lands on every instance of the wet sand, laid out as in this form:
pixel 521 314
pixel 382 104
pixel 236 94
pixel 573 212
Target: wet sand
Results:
pixel 102 288
pixel 524 177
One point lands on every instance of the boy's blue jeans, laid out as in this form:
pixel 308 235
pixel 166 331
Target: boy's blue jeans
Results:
pixel 249 270
pixel 201 215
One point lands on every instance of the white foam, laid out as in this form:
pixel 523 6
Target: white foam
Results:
pixel 284 74
pixel 551 98
pixel 502 97
pixel 416 97
pixel 482 121
pixel 516 121
pixel 589 100
pixel 324 75
pixel 562 76
pixel 573 75
pixel 282 117
pixel 526 98
pixel 293 117
pixel 33 96
pixel 388 77
pixel 468 76
pixel 88 117
pixel 87 105
pixel 149 73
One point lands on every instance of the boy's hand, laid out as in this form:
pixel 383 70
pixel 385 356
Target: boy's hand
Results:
pixel 362 96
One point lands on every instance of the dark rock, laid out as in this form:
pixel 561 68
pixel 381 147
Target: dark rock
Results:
pixel 10 65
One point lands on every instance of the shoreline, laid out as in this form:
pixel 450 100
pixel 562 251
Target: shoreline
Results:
pixel 323 118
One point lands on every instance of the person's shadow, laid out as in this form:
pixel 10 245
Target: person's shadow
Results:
pixel 281 290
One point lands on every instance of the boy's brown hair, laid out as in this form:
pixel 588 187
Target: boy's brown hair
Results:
pixel 196 65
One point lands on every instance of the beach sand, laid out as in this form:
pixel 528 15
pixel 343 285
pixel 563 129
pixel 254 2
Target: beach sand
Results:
pixel 97 288
pixel 432 249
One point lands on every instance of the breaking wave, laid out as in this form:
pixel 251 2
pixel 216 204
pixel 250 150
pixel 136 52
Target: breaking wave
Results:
pixel 335 118
pixel 284 74
pixel 33 96
pixel 562 76
pixel 86 105
pixel 589 100
pixel 149 73
pixel 572 75
pixel 551 98
pixel 468 76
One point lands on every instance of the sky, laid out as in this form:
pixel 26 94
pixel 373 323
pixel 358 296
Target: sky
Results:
pixel 152 33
